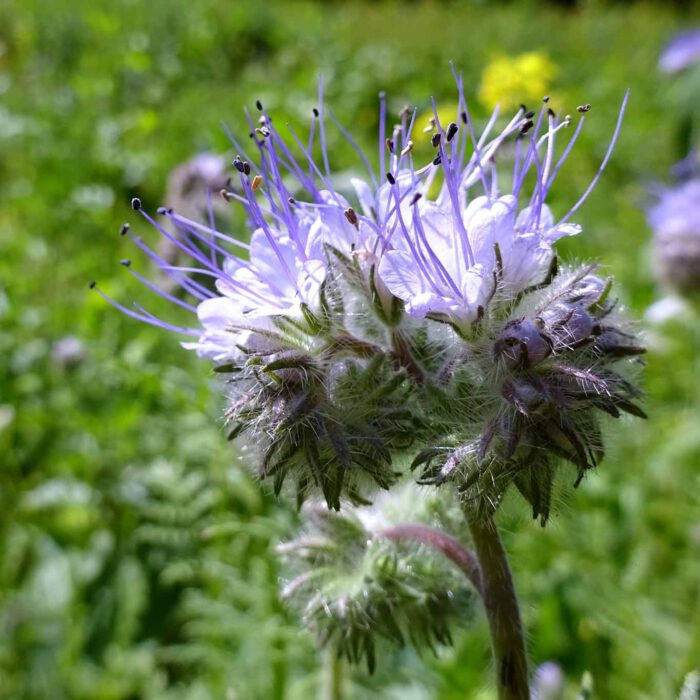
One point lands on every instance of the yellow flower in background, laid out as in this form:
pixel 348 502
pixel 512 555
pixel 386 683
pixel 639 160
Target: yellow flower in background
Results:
pixel 425 120
pixel 509 81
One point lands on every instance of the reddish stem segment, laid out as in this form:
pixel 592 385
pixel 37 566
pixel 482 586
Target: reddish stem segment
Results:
pixel 447 545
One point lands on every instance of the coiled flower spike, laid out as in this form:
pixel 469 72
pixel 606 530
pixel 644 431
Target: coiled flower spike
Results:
pixel 559 360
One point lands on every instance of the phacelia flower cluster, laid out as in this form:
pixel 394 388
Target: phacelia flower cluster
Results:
pixel 420 317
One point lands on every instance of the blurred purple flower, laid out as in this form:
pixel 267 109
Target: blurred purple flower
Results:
pixel 675 220
pixel 67 352
pixel 548 682
pixel 680 52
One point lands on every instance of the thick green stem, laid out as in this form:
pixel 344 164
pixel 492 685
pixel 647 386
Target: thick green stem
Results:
pixel 502 611
pixel 332 681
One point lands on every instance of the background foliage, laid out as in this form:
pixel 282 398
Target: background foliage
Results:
pixel 137 556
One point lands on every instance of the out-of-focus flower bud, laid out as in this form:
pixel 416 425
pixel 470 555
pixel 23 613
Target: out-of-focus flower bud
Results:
pixel 350 568
pixel 548 682
pixel 68 352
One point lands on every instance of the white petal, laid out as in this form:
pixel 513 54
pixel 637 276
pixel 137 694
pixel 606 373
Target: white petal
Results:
pixel 365 196
pixel 562 230
pixel 398 272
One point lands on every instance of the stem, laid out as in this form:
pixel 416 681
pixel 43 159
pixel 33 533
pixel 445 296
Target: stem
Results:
pixel 502 611
pixel 449 546
pixel 332 682
pixel 404 357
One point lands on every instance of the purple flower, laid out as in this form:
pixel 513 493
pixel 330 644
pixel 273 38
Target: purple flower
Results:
pixel 675 220
pixel 681 52
pixel 676 211
pixel 548 682
pixel 447 258
pixel 444 258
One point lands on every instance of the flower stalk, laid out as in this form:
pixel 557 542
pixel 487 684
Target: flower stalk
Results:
pixel 488 572
pixel 332 682
pixel 502 611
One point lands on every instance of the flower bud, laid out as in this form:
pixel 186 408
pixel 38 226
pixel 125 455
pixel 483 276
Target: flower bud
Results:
pixel 568 325
pixel 331 426
pixel 350 568
pixel 521 344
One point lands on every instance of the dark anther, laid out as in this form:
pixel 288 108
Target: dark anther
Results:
pixel 125 262
pixel 238 164
pixel 415 198
pixel 583 108
pixel 389 145
pixel 437 160
pixel 545 99
pixel 452 130
pixel 435 140
pixel 251 135
pixel 351 216
pixel 526 126
pixel 136 204
pixel 162 210
pixel 464 117
pixel 292 201
pixel 258 104
pixel 523 108
pixel 246 167
pixel 391 179
pixel 228 196
pixel 92 285
pixel 315 111
pixel 529 115
pixel 124 229
pixel 550 112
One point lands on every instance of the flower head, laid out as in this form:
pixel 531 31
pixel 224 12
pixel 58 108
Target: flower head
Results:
pixel 346 314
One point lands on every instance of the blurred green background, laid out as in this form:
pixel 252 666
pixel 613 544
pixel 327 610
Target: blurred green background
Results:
pixel 136 554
